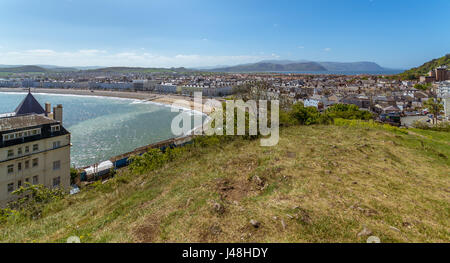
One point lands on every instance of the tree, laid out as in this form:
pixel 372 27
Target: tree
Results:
pixel 348 111
pixel 304 115
pixel 434 107
pixel 422 86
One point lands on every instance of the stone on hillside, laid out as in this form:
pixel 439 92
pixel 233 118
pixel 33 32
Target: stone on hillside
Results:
pixel 255 223
pixel 365 232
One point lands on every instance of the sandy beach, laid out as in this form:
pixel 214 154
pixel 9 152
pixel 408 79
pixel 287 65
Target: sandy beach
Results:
pixel 167 99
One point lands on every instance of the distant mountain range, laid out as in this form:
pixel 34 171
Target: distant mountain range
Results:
pixel 273 67
pixel 50 68
pixel 289 65
pixel 262 66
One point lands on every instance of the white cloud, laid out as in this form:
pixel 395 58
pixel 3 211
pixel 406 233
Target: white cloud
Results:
pixel 327 49
pixel 140 58
pixel 91 51
pixel 301 47
pixel 41 51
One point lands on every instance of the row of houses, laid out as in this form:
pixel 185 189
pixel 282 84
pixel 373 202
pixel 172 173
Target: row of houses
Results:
pixel 136 85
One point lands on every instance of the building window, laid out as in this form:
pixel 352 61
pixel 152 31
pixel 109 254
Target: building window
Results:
pixel 27 149
pixel 56 165
pixel 56 144
pixel 19 167
pixel 22 134
pixel 35 147
pixel 27 180
pixel 27 164
pixel 10 153
pixel 55 128
pixel 19 151
pixel 10 169
pixel 56 181
pixel 35 179
pixel 19 183
pixel 10 187
pixel 35 162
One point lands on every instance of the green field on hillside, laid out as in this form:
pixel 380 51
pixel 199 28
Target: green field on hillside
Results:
pixel 423 70
pixel 319 184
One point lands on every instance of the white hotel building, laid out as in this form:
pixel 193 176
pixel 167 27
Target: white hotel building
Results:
pixel 34 148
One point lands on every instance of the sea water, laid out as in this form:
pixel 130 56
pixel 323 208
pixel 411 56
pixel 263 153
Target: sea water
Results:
pixel 103 127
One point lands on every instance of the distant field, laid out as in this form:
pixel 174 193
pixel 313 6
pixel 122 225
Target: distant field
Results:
pixel 10 74
pixel 4 74
pixel 320 184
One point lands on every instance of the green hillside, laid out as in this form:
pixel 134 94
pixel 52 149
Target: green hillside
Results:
pixel 415 73
pixel 319 184
pixel 138 70
pixel 24 69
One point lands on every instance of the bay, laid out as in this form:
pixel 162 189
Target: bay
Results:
pixel 103 127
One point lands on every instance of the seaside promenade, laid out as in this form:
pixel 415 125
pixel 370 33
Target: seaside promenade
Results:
pixel 145 96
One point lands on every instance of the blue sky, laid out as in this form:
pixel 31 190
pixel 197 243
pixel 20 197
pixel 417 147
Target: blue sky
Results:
pixel 393 33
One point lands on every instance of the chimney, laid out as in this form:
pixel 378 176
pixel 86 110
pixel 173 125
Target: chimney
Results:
pixel 48 109
pixel 58 113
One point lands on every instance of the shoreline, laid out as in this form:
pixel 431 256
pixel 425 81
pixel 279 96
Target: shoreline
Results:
pixel 160 99
pixel 163 99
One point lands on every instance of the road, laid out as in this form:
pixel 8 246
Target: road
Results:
pixel 409 120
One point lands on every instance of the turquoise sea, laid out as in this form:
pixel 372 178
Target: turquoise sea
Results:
pixel 104 127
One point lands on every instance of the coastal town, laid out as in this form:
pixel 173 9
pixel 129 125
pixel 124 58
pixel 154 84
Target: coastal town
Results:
pixel 376 93
pixel 225 131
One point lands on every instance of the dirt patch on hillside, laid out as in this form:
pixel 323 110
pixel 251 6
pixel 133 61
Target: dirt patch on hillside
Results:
pixel 233 191
pixel 147 232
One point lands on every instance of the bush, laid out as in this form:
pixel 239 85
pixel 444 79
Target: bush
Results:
pixel 149 161
pixel 348 111
pixel 7 213
pixel 73 175
pixel 286 119
pixel 33 198
pixel 154 159
pixel 304 115
pixel 299 114
pixel 442 126
pixel 325 119
pixel 422 86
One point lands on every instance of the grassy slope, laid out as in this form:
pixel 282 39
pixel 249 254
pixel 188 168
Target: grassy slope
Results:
pixel 427 67
pixel 323 183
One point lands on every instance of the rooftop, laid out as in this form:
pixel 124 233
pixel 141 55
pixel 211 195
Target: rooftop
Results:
pixel 29 105
pixel 18 122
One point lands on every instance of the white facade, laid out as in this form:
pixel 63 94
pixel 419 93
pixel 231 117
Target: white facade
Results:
pixel 46 162
pixel 443 90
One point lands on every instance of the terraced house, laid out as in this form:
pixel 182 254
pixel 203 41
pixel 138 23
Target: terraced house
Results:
pixel 34 148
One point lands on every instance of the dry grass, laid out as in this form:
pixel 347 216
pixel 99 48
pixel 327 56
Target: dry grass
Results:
pixel 320 184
